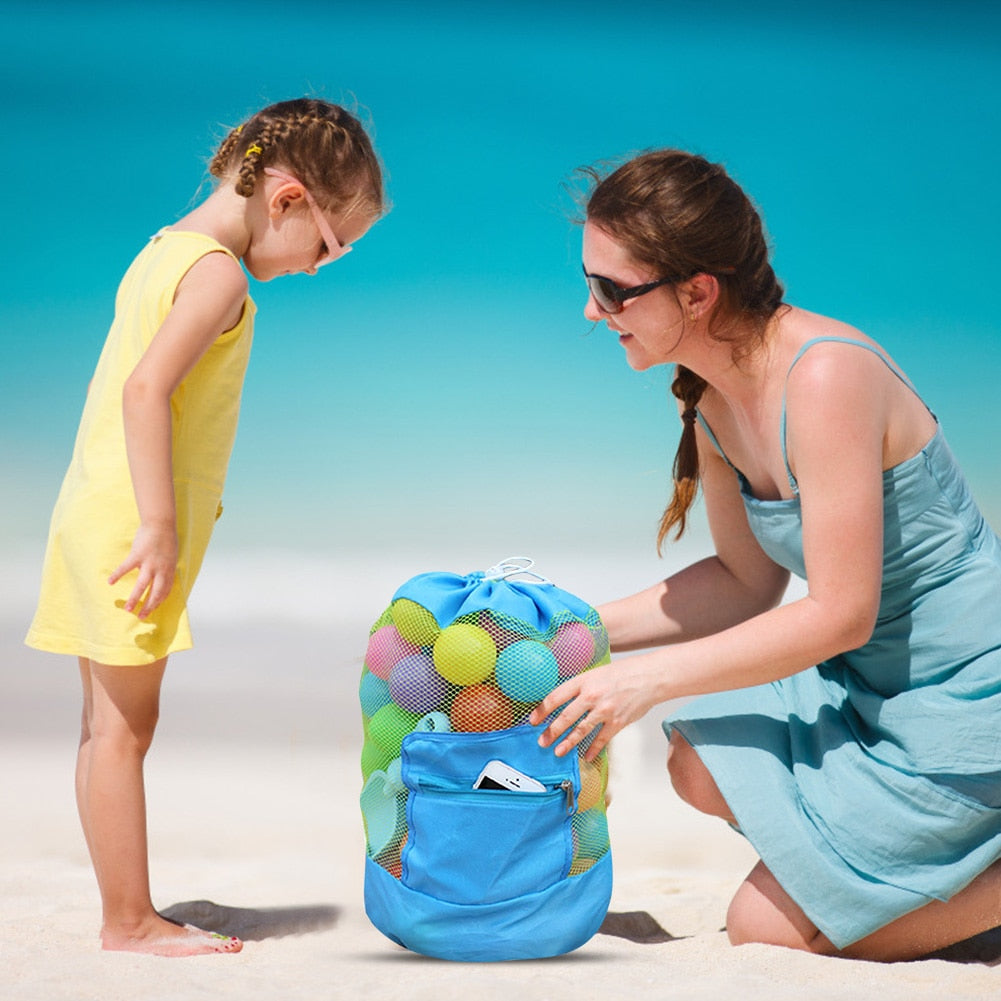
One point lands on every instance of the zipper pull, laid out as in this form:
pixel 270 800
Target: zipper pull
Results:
pixel 567 786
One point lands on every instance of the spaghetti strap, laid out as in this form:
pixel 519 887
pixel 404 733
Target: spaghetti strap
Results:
pixel 799 354
pixel 715 441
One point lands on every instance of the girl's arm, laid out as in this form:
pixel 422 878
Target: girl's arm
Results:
pixel 738 582
pixel 837 421
pixel 208 301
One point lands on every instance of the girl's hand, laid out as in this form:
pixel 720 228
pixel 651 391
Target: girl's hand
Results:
pixel 154 555
pixel 610 697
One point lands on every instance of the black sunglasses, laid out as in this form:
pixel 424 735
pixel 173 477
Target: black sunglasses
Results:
pixel 610 297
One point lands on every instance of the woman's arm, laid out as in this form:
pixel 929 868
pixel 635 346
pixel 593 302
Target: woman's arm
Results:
pixel 208 302
pixel 733 585
pixel 837 423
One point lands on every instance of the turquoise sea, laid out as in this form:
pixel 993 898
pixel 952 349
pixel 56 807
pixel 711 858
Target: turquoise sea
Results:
pixel 439 389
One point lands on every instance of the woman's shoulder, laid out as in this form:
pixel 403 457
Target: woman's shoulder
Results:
pixel 821 350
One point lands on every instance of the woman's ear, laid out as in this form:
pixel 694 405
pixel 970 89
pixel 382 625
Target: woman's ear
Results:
pixel 699 295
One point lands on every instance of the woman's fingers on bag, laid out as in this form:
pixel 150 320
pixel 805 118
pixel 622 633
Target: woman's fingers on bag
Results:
pixel 557 699
pixel 571 721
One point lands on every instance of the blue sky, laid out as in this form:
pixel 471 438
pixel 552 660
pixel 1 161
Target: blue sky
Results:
pixel 441 381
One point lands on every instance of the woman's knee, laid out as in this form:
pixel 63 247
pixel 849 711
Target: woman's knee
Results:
pixel 762 912
pixel 692 780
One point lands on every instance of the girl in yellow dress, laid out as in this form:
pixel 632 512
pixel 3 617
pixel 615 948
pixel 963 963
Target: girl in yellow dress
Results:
pixel 298 183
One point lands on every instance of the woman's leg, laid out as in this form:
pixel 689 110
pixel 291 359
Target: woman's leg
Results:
pixel 761 911
pixel 121 707
pixel 692 780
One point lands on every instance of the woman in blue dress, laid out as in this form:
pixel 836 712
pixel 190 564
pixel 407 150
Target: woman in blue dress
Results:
pixel 852 735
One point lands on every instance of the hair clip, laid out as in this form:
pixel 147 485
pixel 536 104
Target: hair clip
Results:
pixel 253 149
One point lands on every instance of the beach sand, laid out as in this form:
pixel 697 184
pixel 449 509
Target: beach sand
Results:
pixel 253 786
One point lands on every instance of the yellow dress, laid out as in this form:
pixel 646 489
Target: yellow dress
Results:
pixel 95 517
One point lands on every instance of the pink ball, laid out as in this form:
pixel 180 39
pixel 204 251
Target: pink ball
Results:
pixel 573 646
pixel 386 647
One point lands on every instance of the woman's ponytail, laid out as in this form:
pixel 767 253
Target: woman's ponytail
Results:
pixel 687 387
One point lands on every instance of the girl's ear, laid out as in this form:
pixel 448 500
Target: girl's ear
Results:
pixel 283 196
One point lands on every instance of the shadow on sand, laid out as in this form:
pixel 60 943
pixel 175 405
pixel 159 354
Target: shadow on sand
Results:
pixel 253 924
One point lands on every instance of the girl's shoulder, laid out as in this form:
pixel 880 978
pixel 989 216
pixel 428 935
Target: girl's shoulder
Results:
pixel 200 257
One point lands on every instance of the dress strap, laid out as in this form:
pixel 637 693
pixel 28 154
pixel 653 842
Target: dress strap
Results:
pixel 715 441
pixel 799 354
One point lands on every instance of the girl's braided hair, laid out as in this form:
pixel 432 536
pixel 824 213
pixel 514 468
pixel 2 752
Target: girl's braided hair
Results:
pixel 678 214
pixel 322 144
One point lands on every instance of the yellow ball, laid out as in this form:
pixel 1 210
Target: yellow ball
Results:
pixel 464 654
pixel 414 622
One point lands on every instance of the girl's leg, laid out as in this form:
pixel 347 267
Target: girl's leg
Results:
pixel 121 707
pixel 761 911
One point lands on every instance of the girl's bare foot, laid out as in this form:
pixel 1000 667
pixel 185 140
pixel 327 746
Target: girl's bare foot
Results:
pixel 166 938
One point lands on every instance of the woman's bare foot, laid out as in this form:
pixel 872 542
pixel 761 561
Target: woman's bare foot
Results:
pixel 161 937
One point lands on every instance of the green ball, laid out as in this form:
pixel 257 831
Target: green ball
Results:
pixel 389 726
pixel 464 654
pixel 414 622
pixel 373 758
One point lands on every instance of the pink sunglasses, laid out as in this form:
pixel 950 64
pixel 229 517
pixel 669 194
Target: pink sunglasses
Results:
pixel 334 248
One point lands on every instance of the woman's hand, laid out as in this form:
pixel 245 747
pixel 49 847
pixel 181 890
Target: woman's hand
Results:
pixel 154 555
pixel 610 697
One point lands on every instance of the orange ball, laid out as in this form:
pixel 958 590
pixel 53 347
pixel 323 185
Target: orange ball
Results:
pixel 481 707
pixel 592 782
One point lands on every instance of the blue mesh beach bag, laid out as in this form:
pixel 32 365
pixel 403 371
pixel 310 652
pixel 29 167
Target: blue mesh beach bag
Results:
pixel 481 845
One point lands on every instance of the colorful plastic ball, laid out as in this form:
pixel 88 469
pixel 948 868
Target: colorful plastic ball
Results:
pixel 602 654
pixel 590 834
pixel 573 647
pixel 481 707
pixel 391 860
pixel 415 685
pixel 464 654
pixel 592 781
pixel 414 622
pixel 373 693
pixel 527 671
pixel 373 758
pixel 389 726
pixel 385 648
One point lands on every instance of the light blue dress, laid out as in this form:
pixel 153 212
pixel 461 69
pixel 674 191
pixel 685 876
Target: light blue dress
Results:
pixel 871 783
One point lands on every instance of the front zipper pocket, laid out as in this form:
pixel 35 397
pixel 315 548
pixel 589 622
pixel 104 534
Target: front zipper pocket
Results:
pixel 477 846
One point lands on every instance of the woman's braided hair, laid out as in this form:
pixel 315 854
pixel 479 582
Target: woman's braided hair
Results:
pixel 678 214
pixel 322 144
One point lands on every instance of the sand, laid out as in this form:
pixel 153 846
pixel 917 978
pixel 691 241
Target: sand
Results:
pixel 254 829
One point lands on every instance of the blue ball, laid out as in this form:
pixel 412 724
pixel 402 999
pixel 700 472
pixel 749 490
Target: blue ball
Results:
pixel 527 671
pixel 373 693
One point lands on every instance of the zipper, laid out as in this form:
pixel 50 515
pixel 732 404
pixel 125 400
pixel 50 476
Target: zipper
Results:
pixel 567 786
pixel 564 787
